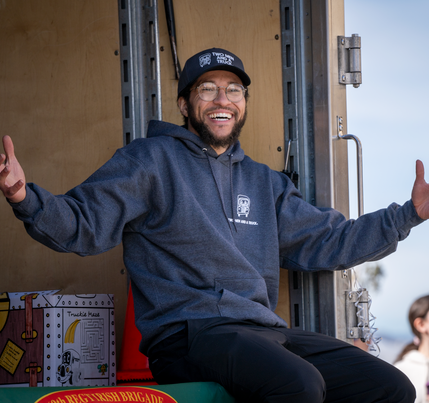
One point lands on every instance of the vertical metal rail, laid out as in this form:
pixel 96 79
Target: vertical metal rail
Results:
pixel 151 66
pixel 290 112
pixel 311 98
pixel 140 68
pixel 298 133
pixel 289 72
pixel 331 155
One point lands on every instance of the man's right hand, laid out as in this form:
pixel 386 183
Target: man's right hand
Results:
pixel 12 178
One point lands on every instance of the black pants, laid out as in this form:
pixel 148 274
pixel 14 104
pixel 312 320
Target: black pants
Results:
pixel 259 364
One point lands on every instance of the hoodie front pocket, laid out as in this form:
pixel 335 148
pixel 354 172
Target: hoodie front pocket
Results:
pixel 240 293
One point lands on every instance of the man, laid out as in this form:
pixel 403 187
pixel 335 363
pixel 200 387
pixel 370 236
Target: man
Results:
pixel 205 230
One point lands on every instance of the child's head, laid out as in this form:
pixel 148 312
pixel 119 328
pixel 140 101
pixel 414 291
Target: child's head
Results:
pixel 419 309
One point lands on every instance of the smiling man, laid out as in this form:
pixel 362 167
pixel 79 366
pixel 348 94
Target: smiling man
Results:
pixel 215 107
pixel 204 231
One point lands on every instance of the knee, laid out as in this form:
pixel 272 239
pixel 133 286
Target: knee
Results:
pixel 309 388
pixel 313 391
pixel 408 392
pixel 403 391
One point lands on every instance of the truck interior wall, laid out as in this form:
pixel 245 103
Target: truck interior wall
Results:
pixel 251 30
pixel 61 103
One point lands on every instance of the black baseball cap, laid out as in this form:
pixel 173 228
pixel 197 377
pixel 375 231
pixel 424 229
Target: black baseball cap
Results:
pixel 208 60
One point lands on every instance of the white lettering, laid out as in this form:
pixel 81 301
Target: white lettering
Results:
pixel 238 221
pixel 222 58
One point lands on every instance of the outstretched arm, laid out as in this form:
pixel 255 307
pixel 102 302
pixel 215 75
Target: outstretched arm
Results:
pixel 420 193
pixel 12 178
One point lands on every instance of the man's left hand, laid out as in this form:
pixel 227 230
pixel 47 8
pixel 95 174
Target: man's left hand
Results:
pixel 420 193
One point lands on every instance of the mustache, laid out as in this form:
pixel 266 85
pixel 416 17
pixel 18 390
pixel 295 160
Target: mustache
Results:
pixel 214 109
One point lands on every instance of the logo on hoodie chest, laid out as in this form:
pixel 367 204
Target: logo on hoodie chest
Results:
pixel 243 210
pixel 243 206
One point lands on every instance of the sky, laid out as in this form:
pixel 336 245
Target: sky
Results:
pixel 387 112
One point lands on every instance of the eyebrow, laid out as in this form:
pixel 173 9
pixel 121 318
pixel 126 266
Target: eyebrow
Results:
pixel 210 81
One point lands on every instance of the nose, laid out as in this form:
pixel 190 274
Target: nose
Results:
pixel 221 98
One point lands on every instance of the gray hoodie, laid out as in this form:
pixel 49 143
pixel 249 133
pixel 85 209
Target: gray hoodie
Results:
pixel 203 235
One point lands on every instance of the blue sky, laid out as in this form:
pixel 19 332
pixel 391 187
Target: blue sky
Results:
pixel 387 112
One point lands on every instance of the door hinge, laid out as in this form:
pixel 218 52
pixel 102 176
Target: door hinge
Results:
pixel 357 314
pixel 349 60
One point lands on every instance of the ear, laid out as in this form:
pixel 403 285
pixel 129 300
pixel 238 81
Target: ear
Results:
pixel 183 106
pixel 419 325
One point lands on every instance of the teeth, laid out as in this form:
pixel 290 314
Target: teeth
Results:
pixel 220 116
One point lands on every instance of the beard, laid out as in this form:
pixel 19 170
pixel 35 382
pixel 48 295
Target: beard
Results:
pixel 209 137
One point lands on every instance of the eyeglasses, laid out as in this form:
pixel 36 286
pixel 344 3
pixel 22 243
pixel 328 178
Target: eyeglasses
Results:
pixel 209 92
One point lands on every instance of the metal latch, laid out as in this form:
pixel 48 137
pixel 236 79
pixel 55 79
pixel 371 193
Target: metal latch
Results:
pixel 359 170
pixel 357 314
pixel 349 60
pixel 293 175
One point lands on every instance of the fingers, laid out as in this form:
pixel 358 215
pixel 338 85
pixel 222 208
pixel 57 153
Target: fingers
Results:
pixel 3 175
pixel 14 189
pixel 4 172
pixel 420 170
pixel 8 147
pixel 10 191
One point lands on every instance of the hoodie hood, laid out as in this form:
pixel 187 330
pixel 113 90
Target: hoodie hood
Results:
pixel 194 143
pixel 199 149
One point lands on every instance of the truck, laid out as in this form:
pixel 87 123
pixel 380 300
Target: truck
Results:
pixel 82 78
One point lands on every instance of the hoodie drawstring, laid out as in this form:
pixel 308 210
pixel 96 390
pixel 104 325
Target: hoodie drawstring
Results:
pixel 232 190
pixel 219 192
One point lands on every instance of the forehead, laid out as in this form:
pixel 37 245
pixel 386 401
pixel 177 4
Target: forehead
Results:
pixel 218 76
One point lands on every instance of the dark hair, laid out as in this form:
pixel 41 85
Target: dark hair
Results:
pixel 418 309
pixel 186 94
